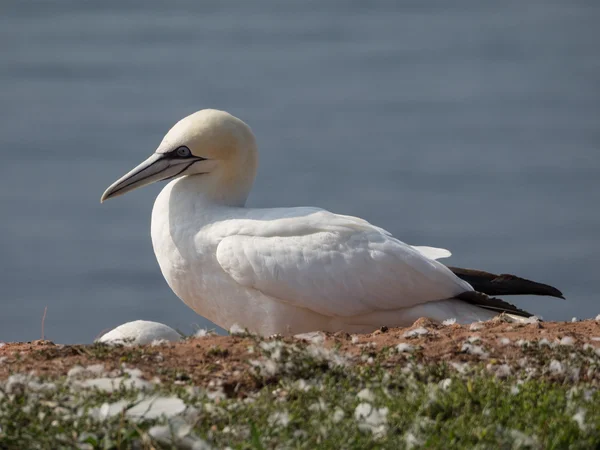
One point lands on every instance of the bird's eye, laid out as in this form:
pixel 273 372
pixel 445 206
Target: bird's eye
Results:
pixel 183 152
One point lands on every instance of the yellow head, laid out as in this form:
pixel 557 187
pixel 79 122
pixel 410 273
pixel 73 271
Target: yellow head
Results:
pixel 209 143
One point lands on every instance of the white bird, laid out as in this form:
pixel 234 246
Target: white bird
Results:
pixel 289 270
pixel 140 332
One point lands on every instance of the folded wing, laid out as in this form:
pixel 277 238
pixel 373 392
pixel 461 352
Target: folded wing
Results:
pixel 335 265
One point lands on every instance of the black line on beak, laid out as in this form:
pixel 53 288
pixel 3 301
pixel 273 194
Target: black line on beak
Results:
pixel 182 170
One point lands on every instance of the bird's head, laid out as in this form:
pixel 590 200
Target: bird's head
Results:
pixel 209 143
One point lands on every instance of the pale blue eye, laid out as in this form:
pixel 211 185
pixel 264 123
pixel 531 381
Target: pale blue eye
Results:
pixel 183 152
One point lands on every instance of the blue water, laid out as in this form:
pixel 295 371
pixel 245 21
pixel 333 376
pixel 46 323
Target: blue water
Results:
pixel 469 125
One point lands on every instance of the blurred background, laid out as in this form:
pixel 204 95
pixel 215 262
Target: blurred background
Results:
pixel 468 125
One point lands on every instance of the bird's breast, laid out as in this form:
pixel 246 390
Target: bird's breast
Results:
pixel 185 250
pixel 173 233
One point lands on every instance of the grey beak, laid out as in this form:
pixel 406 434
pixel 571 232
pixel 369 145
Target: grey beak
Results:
pixel 158 167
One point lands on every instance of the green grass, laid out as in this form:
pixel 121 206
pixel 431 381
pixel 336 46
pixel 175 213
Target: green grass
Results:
pixel 306 397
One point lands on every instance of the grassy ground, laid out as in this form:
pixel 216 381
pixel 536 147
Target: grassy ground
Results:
pixel 387 390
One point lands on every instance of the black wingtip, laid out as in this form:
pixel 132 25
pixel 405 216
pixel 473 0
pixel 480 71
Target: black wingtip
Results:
pixel 492 303
pixel 528 287
pixel 505 284
pixel 557 293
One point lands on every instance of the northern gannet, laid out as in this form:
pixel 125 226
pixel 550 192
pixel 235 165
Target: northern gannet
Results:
pixel 290 270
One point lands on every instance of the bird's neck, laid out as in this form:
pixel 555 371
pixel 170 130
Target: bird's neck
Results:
pixel 214 189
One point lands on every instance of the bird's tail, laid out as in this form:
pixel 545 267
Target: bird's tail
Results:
pixel 504 284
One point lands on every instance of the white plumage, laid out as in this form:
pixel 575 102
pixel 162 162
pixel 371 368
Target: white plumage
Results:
pixel 140 332
pixel 280 270
pixel 333 265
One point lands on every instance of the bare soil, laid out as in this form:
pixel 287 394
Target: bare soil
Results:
pixel 226 358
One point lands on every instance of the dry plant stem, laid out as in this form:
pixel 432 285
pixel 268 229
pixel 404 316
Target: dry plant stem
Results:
pixel 44 320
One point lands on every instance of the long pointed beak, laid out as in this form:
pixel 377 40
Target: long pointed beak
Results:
pixel 157 167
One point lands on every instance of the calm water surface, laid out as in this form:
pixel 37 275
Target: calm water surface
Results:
pixel 469 125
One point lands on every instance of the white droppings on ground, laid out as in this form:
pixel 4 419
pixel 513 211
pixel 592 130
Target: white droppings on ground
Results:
pixel 156 407
pixel 476 326
pixel 300 434
pixel 449 322
pixel 216 395
pixel 459 366
pixel 202 333
pixel 544 342
pixel 522 440
pixel 587 347
pixel 371 419
pixel 273 349
pixel 236 329
pixel 280 393
pixel 21 382
pixel 266 366
pixel 556 367
pixel 280 357
pixel 504 341
pixel 338 415
pixel 315 337
pixel 318 406
pixel 178 433
pixel 366 395
pixel 411 440
pixel 501 371
pixel 523 362
pixel 134 372
pixel 404 347
pixel 367 359
pixel 95 376
pixel 579 417
pixel 355 339
pixel 417 332
pixel 567 340
pixel 474 350
pixel 445 383
pixel 279 419
pixel 109 410
pixel 302 385
pixel 333 358
pixel 93 370
pixel 113 384
pixel 408 368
